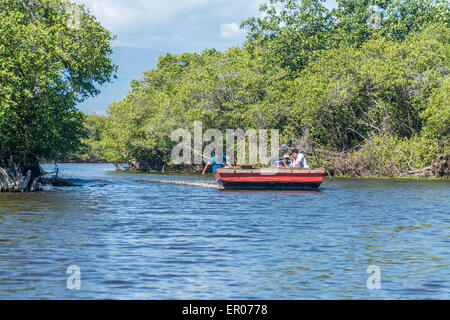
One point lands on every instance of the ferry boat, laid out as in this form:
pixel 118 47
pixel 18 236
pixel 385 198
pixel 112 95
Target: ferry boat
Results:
pixel 248 178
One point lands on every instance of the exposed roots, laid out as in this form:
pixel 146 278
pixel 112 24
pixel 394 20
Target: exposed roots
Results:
pixel 12 178
pixel 345 164
pixel 439 168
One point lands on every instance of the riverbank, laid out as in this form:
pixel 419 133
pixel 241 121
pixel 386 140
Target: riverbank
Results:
pixel 399 178
pixel 335 177
pixel 437 171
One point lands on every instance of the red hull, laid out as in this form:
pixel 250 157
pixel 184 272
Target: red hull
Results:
pixel 270 178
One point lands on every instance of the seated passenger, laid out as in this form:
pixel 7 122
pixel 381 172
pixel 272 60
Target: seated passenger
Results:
pixel 286 161
pixel 279 164
pixel 299 160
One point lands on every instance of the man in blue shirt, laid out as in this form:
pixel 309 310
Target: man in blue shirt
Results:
pixel 216 163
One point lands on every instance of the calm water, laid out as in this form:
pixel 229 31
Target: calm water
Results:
pixel 134 238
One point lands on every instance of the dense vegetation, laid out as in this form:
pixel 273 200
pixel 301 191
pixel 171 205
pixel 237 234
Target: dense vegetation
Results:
pixel 361 89
pixel 51 56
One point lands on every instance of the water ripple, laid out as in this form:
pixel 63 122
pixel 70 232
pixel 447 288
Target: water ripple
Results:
pixel 138 236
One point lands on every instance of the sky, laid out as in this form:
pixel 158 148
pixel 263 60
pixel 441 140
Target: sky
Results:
pixel 146 29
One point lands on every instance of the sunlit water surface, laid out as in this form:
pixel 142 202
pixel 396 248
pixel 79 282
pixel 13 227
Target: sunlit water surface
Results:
pixel 135 237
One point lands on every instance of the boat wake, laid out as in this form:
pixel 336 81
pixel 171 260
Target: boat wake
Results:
pixel 187 183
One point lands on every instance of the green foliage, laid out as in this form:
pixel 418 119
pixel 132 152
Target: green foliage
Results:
pixel 48 63
pixel 291 33
pixel 437 115
pixel 389 156
pixel 375 99
pixel 93 145
pixel 343 99
pixel 220 89
pixel 349 94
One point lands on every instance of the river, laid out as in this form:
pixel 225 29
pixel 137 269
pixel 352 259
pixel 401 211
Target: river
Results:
pixel 133 236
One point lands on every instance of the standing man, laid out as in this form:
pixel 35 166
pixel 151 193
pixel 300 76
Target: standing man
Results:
pixel 216 163
pixel 299 160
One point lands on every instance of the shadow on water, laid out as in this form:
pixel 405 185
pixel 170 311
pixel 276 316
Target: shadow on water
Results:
pixel 272 191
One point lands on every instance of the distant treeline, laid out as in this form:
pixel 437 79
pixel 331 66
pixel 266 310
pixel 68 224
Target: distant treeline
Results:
pixel 362 89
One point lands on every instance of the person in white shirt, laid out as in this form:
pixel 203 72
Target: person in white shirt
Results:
pixel 299 160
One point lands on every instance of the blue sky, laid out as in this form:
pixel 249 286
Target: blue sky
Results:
pixel 146 29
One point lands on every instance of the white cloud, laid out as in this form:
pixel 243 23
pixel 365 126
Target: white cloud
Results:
pixel 231 30
pixel 129 16
pixel 174 25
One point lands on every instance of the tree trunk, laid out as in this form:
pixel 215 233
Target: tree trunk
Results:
pixel 15 179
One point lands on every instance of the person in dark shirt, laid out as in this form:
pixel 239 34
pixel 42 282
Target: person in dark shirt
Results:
pixel 285 163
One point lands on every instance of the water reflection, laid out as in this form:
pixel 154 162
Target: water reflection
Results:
pixel 271 191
